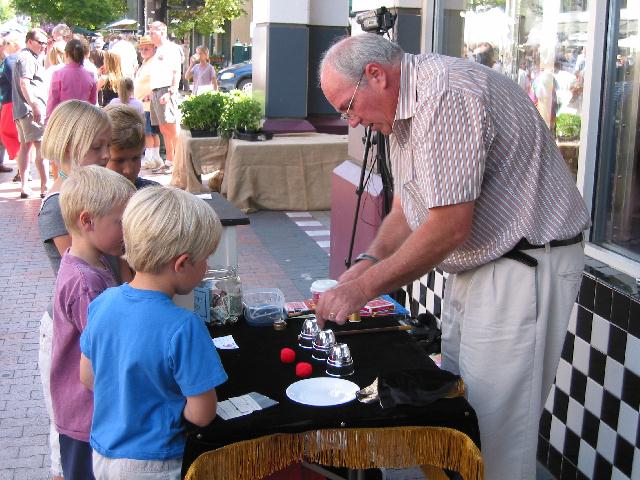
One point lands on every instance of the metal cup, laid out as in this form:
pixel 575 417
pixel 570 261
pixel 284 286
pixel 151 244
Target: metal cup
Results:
pixel 310 329
pixel 339 361
pixel 322 343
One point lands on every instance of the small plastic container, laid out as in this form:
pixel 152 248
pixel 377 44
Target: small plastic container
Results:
pixel 263 306
pixel 320 286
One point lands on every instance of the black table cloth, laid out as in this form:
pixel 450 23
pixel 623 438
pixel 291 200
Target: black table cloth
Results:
pixel 256 367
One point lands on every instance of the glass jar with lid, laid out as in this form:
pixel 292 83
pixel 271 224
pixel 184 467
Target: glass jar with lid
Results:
pixel 225 290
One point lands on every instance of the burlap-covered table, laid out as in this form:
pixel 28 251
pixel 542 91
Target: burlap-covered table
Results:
pixel 290 172
pixel 194 157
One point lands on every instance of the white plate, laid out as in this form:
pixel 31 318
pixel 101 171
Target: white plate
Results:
pixel 322 391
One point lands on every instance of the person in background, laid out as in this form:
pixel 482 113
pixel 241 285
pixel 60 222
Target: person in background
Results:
pixel 11 45
pixel 142 394
pixel 92 201
pixel 126 97
pixel 97 50
pixel 29 96
pixel 482 192
pixel 77 134
pixel 165 77
pixel 3 150
pixel 55 59
pixel 202 72
pixel 127 143
pixel 110 77
pixel 72 81
pixel 61 33
pixel 142 91
pixel 128 55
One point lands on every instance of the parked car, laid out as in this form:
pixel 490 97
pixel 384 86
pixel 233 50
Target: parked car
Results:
pixel 236 76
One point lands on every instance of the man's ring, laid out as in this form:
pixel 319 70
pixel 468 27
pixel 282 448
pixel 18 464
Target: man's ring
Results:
pixel 332 316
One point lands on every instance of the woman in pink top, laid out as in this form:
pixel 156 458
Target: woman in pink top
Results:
pixel 73 81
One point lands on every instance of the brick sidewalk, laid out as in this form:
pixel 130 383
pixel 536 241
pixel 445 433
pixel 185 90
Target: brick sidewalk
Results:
pixel 26 287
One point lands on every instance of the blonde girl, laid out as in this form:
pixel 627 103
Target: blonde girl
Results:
pixel 77 134
pixel 126 97
pixel 111 73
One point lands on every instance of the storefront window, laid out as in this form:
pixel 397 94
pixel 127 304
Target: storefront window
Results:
pixel 617 206
pixel 540 44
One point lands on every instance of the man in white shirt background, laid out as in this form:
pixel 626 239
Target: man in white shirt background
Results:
pixel 165 79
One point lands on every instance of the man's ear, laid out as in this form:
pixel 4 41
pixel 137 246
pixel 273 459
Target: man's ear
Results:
pixel 376 75
pixel 180 262
pixel 85 221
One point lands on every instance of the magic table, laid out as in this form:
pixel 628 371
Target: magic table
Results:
pixel 442 435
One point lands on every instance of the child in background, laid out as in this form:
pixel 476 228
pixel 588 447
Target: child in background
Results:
pixel 149 361
pixel 92 200
pixel 76 134
pixel 127 143
pixel 125 96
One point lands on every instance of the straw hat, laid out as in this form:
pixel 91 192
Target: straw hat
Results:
pixel 145 40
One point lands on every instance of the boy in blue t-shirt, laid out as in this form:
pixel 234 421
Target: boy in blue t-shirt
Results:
pixel 149 361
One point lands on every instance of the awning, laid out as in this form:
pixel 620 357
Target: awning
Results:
pixel 125 23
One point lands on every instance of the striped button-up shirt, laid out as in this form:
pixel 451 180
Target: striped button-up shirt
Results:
pixel 463 133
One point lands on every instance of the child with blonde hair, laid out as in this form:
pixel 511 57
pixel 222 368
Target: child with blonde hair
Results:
pixel 125 96
pixel 76 134
pixel 92 201
pixel 141 393
pixel 127 143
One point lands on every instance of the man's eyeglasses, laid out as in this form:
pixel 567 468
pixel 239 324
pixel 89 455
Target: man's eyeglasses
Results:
pixel 345 116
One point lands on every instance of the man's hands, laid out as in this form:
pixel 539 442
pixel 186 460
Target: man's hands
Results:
pixel 340 302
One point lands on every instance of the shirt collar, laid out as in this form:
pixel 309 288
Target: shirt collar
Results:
pixel 408 85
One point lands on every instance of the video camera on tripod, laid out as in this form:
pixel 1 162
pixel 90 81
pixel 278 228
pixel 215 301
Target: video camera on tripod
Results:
pixel 378 21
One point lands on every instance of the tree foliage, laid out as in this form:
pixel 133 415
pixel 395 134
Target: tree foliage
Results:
pixel 6 10
pixel 206 19
pixel 89 14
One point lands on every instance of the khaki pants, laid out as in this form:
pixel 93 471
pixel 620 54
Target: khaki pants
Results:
pixel 503 327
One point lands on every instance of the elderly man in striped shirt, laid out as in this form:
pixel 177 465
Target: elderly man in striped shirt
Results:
pixel 481 191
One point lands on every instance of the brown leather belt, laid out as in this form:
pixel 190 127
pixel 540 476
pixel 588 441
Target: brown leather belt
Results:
pixel 523 244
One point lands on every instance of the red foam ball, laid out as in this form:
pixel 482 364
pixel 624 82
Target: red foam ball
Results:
pixel 287 355
pixel 303 369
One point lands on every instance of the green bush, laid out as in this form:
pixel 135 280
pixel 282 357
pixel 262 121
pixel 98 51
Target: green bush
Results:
pixel 568 126
pixel 241 113
pixel 204 111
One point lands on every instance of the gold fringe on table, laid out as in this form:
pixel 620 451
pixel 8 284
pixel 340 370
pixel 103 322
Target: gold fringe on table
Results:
pixel 357 448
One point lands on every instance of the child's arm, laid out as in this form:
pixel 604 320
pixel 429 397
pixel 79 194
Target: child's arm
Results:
pixel 201 409
pixel 86 372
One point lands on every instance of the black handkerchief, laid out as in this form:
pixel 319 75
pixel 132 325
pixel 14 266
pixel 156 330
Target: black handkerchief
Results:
pixel 418 387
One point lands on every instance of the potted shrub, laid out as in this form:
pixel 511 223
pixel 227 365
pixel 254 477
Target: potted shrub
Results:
pixel 568 126
pixel 241 118
pixel 201 113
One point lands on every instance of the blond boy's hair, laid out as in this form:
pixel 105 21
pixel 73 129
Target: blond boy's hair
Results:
pixel 70 131
pixel 127 127
pixel 94 189
pixel 161 223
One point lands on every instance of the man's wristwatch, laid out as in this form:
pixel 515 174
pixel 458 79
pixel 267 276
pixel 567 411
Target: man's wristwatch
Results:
pixel 366 256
